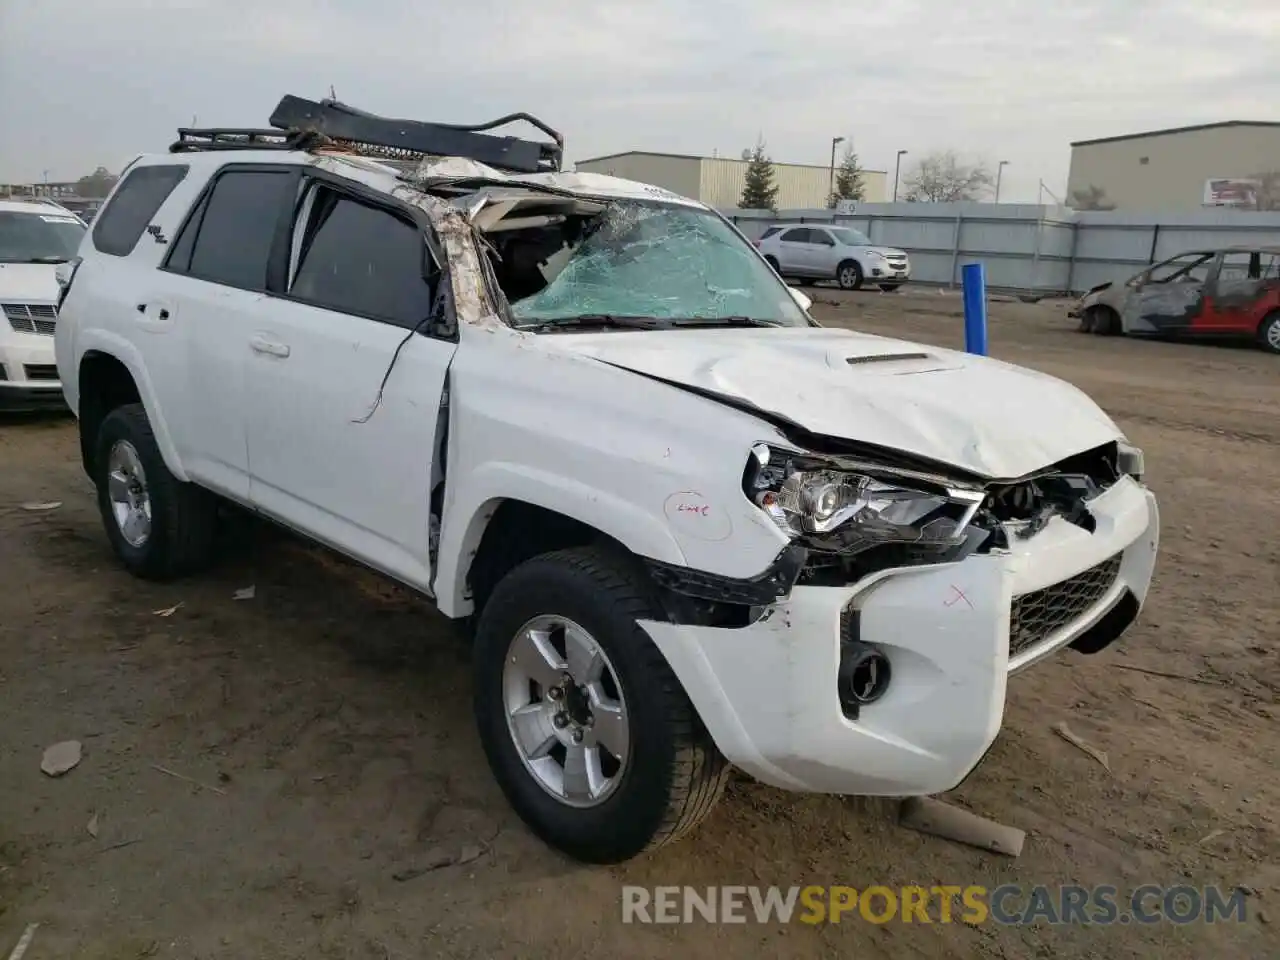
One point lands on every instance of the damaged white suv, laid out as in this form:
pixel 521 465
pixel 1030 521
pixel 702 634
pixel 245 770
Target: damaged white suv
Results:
pixel 691 527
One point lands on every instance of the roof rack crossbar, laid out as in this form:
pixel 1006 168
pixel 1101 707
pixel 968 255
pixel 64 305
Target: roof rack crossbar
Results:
pixel 192 139
pixel 338 121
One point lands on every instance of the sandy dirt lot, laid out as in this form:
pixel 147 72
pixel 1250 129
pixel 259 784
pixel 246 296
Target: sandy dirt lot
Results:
pixel 325 728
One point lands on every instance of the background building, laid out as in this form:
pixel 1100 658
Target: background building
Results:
pixel 1233 163
pixel 719 181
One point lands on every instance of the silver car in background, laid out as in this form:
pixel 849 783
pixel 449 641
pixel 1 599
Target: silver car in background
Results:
pixel 815 251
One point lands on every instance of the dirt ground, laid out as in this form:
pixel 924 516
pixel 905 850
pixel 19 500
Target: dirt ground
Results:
pixel 325 729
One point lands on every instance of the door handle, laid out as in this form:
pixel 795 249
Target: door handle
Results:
pixel 261 344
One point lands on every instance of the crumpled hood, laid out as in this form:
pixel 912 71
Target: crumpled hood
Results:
pixel 28 283
pixel 981 415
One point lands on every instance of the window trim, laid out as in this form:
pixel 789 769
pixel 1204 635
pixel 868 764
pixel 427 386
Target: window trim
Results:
pixel 194 218
pixel 359 193
pixel 130 172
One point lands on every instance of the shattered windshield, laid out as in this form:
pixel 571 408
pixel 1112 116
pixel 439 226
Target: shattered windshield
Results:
pixel 38 237
pixel 644 260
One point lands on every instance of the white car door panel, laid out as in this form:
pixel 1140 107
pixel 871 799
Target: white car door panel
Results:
pixel 333 451
pixel 214 293
pixel 328 456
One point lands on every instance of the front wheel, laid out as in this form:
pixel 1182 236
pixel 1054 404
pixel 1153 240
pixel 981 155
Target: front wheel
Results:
pixel 849 275
pixel 1269 332
pixel 588 732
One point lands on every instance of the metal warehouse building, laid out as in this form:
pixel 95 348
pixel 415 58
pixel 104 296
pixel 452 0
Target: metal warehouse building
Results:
pixel 718 181
pixel 1184 168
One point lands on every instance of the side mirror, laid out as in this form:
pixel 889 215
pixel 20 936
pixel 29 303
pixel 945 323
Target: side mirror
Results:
pixel 804 302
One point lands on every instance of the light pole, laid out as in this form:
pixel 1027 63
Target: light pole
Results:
pixel 897 168
pixel 834 142
pixel 999 174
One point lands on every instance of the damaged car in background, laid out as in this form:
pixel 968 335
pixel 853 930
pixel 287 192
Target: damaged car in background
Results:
pixel 689 526
pixel 1228 293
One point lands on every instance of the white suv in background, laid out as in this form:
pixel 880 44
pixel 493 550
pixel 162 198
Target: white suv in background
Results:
pixel 35 239
pixel 689 526
pixel 815 251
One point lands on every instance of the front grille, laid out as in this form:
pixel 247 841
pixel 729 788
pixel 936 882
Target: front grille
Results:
pixel 1036 615
pixel 31 317
pixel 40 371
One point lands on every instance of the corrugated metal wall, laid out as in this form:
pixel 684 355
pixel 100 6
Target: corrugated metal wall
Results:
pixel 1045 250
pixel 678 174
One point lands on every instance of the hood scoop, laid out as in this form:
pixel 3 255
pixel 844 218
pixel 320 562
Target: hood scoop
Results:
pixel 886 358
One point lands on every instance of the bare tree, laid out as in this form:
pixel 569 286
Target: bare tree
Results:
pixel 1091 198
pixel 942 177
pixel 1267 195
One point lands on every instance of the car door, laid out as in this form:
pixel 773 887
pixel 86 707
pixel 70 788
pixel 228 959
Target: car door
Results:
pixel 344 381
pixel 821 253
pixel 1171 296
pixel 792 250
pixel 215 281
pixel 1239 288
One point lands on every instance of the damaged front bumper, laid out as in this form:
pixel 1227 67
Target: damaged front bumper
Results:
pixel 770 693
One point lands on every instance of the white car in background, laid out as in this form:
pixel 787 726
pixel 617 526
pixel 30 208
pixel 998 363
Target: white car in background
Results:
pixel 816 251
pixel 35 238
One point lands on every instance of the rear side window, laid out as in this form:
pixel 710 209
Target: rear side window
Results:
pixel 769 233
pixel 118 226
pixel 798 235
pixel 363 260
pixel 229 241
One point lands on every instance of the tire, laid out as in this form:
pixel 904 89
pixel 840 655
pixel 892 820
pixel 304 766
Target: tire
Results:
pixel 773 262
pixel 849 275
pixel 179 536
pixel 1105 322
pixel 1086 322
pixel 672 774
pixel 1269 332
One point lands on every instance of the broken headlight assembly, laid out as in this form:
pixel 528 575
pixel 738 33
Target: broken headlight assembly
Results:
pixel 837 508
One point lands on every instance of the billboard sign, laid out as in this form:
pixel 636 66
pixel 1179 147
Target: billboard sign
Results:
pixel 1232 192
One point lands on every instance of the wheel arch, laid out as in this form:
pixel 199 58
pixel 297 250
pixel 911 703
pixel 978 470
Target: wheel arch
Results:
pixel 545 514
pixel 110 373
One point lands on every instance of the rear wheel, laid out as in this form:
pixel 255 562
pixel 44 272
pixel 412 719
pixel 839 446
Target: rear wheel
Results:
pixel 587 730
pixel 1269 332
pixel 849 275
pixel 773 262
pixel 158 526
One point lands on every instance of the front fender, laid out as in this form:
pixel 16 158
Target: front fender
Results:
pixel 116 346
pixel 478 497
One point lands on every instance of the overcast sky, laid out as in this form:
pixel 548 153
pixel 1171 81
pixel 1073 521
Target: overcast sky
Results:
pixel 98 81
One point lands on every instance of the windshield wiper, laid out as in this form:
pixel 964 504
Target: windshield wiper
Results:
pixel 49 259
pixel 614 320
pixel 737 321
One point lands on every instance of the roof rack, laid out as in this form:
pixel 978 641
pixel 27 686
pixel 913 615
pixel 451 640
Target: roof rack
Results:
pixel 300 124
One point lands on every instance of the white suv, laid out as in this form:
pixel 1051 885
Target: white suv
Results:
pixel 818 251
pixel 36 237
pixel 690 526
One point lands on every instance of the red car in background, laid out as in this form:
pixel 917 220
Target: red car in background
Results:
pixel 1232 292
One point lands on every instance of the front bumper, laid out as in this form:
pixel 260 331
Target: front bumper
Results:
pixel 28 373
pixel 885 272
pixel 767 692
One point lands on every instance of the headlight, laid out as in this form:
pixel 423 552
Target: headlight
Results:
pixel 852 511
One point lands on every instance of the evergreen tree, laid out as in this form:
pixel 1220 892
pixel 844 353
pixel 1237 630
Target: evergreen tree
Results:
pixel 849 183
pixel 760 192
